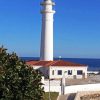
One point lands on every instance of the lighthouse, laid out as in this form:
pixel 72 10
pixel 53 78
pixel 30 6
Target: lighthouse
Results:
pixel 46 49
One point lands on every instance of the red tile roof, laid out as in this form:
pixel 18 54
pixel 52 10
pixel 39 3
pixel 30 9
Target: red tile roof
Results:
pixel 31 62
pixel 54 63
pixel 66 63
pixel 43 63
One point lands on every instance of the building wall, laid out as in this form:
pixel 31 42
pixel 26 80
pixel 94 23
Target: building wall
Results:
pixel 65 72
pixel 48 71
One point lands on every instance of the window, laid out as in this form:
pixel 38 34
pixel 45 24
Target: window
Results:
pixel 59 72
pixel 69 72
pixel 79 72
pixel 52 72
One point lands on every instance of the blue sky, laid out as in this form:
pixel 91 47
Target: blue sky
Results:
pixel 76 27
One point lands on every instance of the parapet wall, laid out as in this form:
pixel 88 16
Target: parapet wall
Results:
pixel 80 94
pixel 82 88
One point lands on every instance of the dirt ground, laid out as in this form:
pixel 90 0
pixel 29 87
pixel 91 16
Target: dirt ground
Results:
pixel 90 80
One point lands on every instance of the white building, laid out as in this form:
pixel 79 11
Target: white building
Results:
pixel 53 69
pixel 58 69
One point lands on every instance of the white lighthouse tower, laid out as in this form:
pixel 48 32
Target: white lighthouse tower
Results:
pixel 46 52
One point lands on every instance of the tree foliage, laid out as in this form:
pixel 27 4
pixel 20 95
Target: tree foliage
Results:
pixel 18 81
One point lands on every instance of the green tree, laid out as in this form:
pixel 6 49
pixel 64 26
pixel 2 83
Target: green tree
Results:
pixel 18 81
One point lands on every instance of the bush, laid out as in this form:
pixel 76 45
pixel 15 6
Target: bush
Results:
pixel 18 81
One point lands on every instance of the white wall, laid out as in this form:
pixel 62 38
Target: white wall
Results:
pixel 47 71
pixel 52 82
pixel 73 88
pixel 64 68
pixel 81 88
pixel 52 88
pixel 55 87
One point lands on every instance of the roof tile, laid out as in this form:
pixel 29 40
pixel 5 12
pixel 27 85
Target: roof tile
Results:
pixel 54 63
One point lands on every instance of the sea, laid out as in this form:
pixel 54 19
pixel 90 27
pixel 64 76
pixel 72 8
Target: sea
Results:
pixel 93 64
